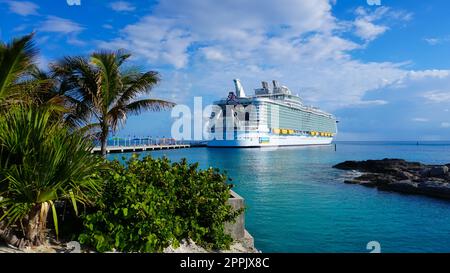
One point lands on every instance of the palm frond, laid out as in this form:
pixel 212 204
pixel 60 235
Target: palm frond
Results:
pixel 137 83
pixel 79 86
pixel 109 80
pixel 15 60
pixel 41 161
pixel 99 90
pixel 148 104
pixel 91 129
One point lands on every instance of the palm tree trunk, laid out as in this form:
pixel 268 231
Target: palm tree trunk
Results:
pixel 8 236
pixel 36 222
pixel 103 140
pixel 32 228
pixel 34 233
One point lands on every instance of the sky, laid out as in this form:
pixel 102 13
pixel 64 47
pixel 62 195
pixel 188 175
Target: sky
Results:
pixel 382 70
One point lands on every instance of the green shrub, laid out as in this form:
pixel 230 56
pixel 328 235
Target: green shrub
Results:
pixel 150 204
pixel 42 165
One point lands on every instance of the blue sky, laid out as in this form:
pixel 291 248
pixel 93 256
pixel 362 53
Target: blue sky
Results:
pixel 384 70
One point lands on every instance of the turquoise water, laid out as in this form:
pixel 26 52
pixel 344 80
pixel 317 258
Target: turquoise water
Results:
pixel 297 203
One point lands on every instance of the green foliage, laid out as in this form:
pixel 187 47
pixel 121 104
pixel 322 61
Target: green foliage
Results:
pixel 150 204
pixel 46 164
pixel 16 60
pixel 104 92
pixel 42 162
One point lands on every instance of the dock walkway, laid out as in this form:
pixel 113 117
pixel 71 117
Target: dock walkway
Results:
pixel 140 148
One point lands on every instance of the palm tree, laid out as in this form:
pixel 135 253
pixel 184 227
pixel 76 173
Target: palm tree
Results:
pixel 21 81
pixel 51 90
pixel 41 162
pixel 106 92
pixel 16 60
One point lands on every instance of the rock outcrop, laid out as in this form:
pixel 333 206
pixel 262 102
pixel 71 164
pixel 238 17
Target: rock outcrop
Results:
pixel 401 176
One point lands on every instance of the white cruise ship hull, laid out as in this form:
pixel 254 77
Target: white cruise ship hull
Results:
pixel 271 141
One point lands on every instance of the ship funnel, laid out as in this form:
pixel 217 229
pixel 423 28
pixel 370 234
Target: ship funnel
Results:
pixel 275 84
pixel 239 89
pixel 265 85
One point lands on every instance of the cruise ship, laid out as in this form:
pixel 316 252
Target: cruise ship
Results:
pixel 271 117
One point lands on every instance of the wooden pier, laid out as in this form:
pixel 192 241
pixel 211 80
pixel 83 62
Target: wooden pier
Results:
pixel 140 148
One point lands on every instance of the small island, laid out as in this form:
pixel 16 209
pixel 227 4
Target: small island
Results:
pixel 401 176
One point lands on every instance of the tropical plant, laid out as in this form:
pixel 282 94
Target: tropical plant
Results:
pixel 106 92
pixel 150 204
pixel 16 60
pixel 41 164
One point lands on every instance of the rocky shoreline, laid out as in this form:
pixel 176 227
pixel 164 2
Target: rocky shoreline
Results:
pixel 243 245
pixel 401 176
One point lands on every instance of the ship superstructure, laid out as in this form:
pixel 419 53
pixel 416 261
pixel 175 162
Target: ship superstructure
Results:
pixel 271 117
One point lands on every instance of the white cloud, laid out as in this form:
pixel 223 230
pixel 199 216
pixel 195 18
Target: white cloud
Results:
pixel 431 73
pixel 122 6
pixel 429 76
pixel 437 40
pixel 42 62
pixel 370 103
pixel 213 54
pixel 367 30
pixel 166 44
pixel 368 24
pixel 437 96
pixel 298 42
pixel 420 119
pixel 432 41
pixel 365 27
pixel 65 28
pixel 73 40
pixel 60 25
pixel 23 8
pixel 107 26
pixel 223 19
pixel 445 124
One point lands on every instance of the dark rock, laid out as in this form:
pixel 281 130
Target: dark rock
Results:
pixel 379 166
pixel 404 186
pixel 369 184
pixel 438 171
pixel 348 165
pixel 435 188
pixel 425 172
pixel 401 176
pixel 376 178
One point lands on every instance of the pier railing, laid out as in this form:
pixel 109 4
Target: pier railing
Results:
pixel 140 148
pixel 124 145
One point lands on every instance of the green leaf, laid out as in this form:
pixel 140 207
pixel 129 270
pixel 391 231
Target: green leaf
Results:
pixel 55 218
pixel 46 195
pixel 74 202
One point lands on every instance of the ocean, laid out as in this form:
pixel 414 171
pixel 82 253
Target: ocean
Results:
pixel 296 201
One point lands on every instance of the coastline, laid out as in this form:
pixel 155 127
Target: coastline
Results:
pixel 399 175
pixel 243 241
pixel 244 245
